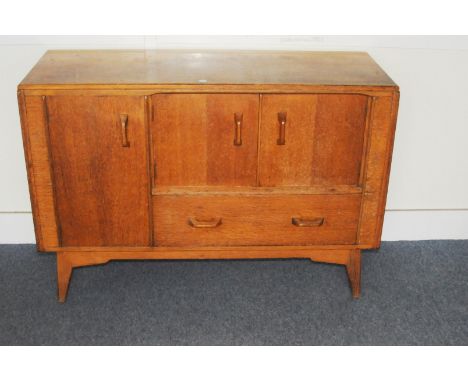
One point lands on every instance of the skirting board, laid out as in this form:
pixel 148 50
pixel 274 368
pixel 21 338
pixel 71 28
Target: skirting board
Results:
pixel 17 228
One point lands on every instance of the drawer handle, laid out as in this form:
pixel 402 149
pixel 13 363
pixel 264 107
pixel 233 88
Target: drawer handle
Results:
pixel 123 125
pixel 307 222
pixel 210 223
pixel 238 117
pixel 282 128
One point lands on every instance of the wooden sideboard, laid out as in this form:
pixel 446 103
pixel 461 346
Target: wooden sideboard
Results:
pixel 207 155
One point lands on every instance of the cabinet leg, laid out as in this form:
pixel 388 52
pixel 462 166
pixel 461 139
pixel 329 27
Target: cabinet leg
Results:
pixel 64 272
pixel 353 268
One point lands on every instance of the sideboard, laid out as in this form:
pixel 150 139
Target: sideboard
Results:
pixel 179 154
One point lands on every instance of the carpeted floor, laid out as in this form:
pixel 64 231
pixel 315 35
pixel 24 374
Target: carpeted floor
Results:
pixel 413 293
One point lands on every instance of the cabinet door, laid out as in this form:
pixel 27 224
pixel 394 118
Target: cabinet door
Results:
pixel 100 168
pixel 312 139
pixel 205 139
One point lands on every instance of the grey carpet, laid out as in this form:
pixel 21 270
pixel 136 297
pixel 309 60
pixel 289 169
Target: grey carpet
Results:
pixel 414 293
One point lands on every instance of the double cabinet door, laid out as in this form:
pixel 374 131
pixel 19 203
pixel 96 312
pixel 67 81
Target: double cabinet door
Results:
pixel 253 140
pixel 102 150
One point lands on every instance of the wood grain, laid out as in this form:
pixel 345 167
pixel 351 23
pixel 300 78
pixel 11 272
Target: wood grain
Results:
pixel 101 187
pixel 382 131
pixel 256 220
pixel 151 89
pixel 245 190
pixel 35 140
pixel 193 139
pixel 339 136
pixel 353 268
pixel 93 67
pixel 324 140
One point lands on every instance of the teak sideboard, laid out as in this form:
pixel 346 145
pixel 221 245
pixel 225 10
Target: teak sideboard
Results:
pixel 207 155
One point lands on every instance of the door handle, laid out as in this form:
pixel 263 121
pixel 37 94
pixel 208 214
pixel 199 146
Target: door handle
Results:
pixel 209 223
pixel 124 132
pixel 282 128
pixel 307 222
pixel 238 117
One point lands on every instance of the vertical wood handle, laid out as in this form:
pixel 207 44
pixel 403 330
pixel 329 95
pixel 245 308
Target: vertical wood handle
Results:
pixel 238 117
pixel 282 128
pixel 123 125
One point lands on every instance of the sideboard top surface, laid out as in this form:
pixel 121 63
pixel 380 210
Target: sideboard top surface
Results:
pixel 198 67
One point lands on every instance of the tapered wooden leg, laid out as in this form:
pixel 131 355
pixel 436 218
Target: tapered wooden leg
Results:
pixel 64 272
pixel 353 268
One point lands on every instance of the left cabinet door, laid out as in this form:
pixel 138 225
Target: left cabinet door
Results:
pixel 99 155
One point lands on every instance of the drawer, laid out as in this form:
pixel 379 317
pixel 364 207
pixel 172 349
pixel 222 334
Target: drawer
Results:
pixel 212 220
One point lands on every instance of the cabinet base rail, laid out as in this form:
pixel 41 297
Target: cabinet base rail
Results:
pixel 67 260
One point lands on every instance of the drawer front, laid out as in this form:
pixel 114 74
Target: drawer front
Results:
pixel 212 220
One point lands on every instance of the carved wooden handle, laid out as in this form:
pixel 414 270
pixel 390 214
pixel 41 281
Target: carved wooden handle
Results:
pixel 123 124
pixel 210 223
pixel 282 128
pixel 238 126
pixel 307 222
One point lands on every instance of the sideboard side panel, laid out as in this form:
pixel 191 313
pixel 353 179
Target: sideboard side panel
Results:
pixel 379 156
pixel 35 140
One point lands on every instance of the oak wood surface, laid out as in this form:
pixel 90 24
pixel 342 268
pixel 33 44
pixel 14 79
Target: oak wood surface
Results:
pixel 151 89
pixel 97 67
pixel 38 164
pixel 330 254
pixel 246 190
pixel 188 248
pixel 193 139
pixel 377 170
pixel 101 185
pixel 323 140
pixel 255 220
pixel 353 269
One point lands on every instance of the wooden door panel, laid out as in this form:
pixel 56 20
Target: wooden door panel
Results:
pixel 101 187
pixel 193 139
pixel 324 135
pixel 339 138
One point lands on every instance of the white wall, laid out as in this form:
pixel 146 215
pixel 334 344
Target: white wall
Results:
pixel 428 195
